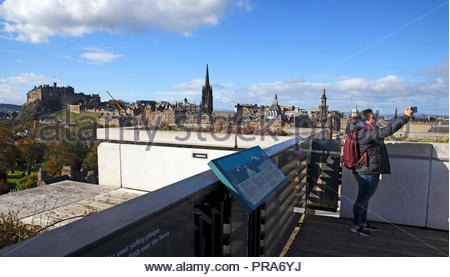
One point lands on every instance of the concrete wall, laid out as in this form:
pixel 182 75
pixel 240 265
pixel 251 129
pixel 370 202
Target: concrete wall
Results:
pixel 416 193
pixel 150 168
pixel 438 204
pixel 416 128
pixel 109 167
pixel 195 138
pixel 422 135
pixel 412 130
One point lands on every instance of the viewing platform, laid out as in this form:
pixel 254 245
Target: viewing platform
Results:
pixel 325 236
pixel 195 215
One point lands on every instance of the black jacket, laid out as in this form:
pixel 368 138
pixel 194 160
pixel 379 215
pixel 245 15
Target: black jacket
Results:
pixel 378 157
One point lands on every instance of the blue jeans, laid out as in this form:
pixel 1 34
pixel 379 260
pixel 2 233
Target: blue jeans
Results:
pixel 367 185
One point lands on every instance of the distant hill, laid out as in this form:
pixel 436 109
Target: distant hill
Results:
pixel 419 115
pixel 10 108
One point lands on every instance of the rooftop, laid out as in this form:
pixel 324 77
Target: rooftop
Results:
pixel 61 203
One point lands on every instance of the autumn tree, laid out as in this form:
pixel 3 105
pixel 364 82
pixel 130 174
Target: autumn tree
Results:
pixel 3 185
pixel 30 155
pixel 8 150
pixel 91 159
pixel 62 153
pixel 55 157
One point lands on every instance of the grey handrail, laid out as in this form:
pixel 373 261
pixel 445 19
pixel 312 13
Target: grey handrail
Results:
pixel 77 237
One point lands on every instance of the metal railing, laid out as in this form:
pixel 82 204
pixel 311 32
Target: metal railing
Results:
pixel 196 216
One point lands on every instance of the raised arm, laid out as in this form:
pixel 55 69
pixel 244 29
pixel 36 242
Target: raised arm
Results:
pixel 391 128
pixel 375 135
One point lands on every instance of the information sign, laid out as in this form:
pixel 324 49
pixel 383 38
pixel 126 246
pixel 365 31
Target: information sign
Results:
pixel 250 175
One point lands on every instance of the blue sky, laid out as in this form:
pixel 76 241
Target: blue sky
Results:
pixel 376 54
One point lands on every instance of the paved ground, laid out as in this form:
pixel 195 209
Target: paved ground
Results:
pixel 321 236
pixel 60 203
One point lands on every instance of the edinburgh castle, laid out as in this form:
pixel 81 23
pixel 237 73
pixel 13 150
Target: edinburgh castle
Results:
pixel 55 98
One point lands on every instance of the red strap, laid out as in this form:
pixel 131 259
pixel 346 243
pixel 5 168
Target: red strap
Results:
pixel 364 157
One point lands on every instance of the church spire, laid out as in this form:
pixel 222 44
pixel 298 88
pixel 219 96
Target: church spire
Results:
pixel 323 109
pixel 207 76
pixel 324 99
pixel 275 106
pixel 207 97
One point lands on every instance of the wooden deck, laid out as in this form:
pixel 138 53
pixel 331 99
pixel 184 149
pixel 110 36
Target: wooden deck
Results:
pixel 321 236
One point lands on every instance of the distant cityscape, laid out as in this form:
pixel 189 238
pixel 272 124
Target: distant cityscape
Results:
pixel 48 99
pixel 44 100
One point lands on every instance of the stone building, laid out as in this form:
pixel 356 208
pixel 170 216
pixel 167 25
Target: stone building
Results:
pixel 355 111
pixel 187 107
pixel 163 112
pixel 55 98
pixel 120 120
pixel 248 112
pixel 274 112
pixel 48 93
pixel 74 108
pixel 323 109
pixel 207 97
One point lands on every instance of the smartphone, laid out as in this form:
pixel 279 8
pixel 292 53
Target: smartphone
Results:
pixel 414 108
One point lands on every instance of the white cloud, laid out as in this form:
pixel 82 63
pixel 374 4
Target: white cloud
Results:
pixel 13 89
pixel 197 84
pixel 99 56
pixel 193 96
pixel 37 20
pixel 28 78
pixel 179 93
pixel 245 5
pixel 11 95
pixel 167 99
pixel 440 70
pixel 385 94
pixel 430 95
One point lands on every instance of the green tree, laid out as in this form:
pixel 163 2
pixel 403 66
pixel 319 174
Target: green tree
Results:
pixel 12 230
pixel 29 154
pixel 29 181
pixel 28 113
pixel 91 159
pixel 112 104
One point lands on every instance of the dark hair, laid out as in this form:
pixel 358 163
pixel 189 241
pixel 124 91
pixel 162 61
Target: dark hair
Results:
pixel 357 118
pixel 365 115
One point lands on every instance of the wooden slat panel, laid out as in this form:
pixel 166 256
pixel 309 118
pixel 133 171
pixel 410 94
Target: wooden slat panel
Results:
pixel 329 236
